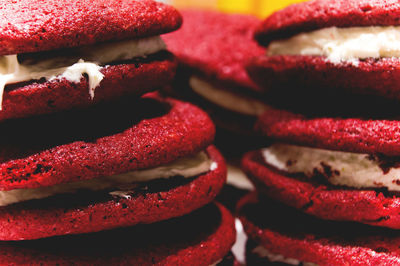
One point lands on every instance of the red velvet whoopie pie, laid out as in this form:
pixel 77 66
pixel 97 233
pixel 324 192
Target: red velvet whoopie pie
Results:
pixel 334 46
pixel 70 174
pixel 212 48
pixel 284 236
pixel 334 168
pixel 59 55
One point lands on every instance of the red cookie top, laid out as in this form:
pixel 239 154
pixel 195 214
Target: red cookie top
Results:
pixel 284 231
pixel 200 238
pixel 317 14
pixel 73 146
pixel 217 45
pixel 318 198
pixel 84 212
pixel 31 26
pixel 351 135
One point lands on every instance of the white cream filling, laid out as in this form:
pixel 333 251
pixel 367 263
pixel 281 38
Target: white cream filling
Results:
pixel 185 167
pixel 73 63
pixel 264 253
pixel 238 179
pixel 228 100
pixel 239 248
pixel 342 44
pixel 340 168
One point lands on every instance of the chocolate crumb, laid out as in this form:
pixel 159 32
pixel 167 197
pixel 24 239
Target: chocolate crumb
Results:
pixel 327 169
pixel 336 172
pixel 385 162
pixel 290 162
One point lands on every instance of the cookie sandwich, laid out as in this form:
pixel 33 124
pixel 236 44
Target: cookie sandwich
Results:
pixel 280 235
pixel 333 46
pixel 61 55
pixel 212 49
pixel 72 174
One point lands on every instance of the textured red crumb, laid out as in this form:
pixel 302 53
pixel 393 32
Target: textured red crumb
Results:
pixel 318 14
pixel 217 45
pixel 200 238
pixel 302 73
pixel 327 202
pixel 45 218
pixel 32 26
pixel 76 146
pixel 351 135
pixel 135 78
pixel 284 231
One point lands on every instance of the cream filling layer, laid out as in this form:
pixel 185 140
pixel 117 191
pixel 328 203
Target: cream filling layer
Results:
pixel 228 100
pixel 339 168
pixel 264 253
pixel 238 179
pixel 342 44
pixel 72 63
pixel 185 167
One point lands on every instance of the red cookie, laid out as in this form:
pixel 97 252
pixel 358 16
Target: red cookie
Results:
pixel 75 146
pixel 371 76
pixel 216 45
pixel 85 212
pixel 27 26
pixel 352 135
pixel 203 237
pixel 322 200
pixel 293 73
pixel 291 234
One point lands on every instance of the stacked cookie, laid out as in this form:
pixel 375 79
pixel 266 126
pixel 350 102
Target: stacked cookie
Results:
pixel 334 161
pixel 85 155
pixel 212 49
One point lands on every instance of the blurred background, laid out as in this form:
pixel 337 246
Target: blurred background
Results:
pixel 260 8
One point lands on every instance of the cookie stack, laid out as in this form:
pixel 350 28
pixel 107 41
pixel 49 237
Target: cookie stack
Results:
pixel 335 159
pixel 92 170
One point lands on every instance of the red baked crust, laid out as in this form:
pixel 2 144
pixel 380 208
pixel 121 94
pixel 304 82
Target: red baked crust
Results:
pixel 47 155
pixel 32 26
pixel 308 239
pixel 217 45
pixel 134 78
pixel 312 15
pixel 201 238
pixel 51 217
pixel 315 73
pixel 324 201
pixel 351 135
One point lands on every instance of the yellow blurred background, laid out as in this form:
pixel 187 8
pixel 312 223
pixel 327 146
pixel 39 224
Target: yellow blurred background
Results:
pixel 261 8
